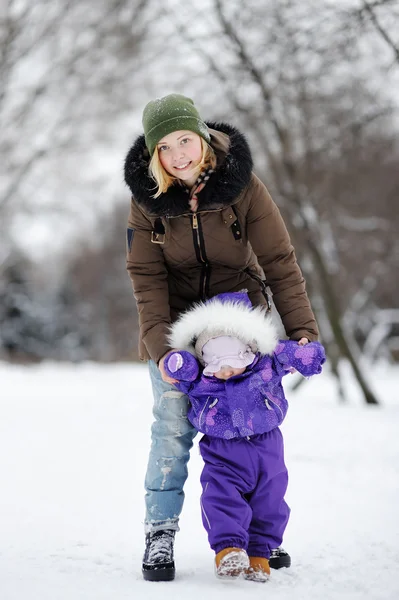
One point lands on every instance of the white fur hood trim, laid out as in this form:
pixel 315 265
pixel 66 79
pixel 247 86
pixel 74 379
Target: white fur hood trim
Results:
pixel 251 325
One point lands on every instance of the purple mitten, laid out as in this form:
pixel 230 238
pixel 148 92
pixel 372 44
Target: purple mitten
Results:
pixel 182 366
pixel 307 359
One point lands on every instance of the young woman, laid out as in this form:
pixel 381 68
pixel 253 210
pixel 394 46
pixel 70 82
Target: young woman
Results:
pixel 201 223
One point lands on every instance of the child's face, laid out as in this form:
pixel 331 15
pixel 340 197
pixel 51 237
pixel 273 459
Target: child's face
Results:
pixel 225 372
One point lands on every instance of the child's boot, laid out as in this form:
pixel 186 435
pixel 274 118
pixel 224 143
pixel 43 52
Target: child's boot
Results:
pixel 279 558
pixel 231 562
pixel 259 569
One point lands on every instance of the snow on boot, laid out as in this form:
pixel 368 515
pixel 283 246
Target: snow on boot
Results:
pixel 231 562
pixel 259 569
pixel 279 558
pixel 158 562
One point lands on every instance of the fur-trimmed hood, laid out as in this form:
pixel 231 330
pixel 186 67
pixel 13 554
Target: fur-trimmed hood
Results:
pixel 232 175
pixel 226 314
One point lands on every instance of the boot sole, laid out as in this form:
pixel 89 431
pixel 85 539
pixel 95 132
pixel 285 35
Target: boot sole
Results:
pixel 167 574
pixel 232 565
pixel 280 562
pixel 257 576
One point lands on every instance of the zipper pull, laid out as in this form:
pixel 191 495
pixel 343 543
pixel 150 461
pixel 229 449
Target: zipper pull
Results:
pixel 195 221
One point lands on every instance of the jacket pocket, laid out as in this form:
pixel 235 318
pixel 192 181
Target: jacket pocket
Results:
pixel 279 410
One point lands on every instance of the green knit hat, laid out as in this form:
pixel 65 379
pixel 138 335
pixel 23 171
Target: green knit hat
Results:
pixel 171 113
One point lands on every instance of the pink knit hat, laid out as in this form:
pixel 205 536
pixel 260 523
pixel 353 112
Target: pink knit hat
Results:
pixel 225 350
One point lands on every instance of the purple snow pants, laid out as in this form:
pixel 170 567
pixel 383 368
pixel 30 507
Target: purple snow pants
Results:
pixel 243 486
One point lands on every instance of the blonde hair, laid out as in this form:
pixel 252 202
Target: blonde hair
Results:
pixel 164 180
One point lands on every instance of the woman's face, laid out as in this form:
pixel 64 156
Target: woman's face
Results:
pixel 180 153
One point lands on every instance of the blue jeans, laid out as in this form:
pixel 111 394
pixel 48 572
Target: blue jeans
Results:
pixel 172 438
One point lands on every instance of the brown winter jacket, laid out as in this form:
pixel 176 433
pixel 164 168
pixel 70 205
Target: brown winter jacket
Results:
pixel 236 239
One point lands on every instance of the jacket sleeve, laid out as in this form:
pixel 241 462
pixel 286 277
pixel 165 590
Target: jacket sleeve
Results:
pixel 148 272
pixel 271 243
pixel 308 359
pixel 182 366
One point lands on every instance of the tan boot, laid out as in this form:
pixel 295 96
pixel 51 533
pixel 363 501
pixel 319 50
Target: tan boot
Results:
pixel 231 562
pixel 259 569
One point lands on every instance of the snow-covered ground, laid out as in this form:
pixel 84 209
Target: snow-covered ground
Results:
pixel 73 450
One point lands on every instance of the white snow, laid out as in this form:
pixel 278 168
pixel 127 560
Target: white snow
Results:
pixel 73 451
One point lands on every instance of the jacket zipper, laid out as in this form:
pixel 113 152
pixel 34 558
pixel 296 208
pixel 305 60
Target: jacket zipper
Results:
pixel 200 253
pixel 199 247
pixel 202 412
pixel 196 230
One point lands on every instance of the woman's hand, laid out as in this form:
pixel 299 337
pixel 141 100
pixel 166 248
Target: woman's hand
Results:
pixel 164 375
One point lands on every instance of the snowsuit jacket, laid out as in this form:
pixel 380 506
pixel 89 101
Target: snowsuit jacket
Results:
pixel 236 239
pixel 248 404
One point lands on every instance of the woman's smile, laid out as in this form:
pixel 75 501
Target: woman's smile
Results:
pixel 183 166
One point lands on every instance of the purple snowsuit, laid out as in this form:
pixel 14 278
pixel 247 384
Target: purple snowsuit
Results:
pixel 244 479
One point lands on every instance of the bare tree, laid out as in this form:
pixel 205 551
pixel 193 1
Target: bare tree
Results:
pixel 281 67
pixel 293 74
pixel 66 74
pixel 383 16
pixel 65 68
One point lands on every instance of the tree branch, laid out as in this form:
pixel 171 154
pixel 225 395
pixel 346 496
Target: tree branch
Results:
pixel 369 9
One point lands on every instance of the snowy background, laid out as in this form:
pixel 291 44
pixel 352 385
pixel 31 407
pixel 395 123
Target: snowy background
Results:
pixel 316 89
pixel 73 449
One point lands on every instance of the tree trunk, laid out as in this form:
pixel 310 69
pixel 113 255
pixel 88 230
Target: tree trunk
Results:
pixel 333 313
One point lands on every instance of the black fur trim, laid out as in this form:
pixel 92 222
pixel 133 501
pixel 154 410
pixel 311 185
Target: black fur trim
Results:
pixel 224 186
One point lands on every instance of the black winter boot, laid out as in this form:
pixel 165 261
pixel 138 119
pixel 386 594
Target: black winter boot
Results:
pixel 158 562
pixel 279 558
